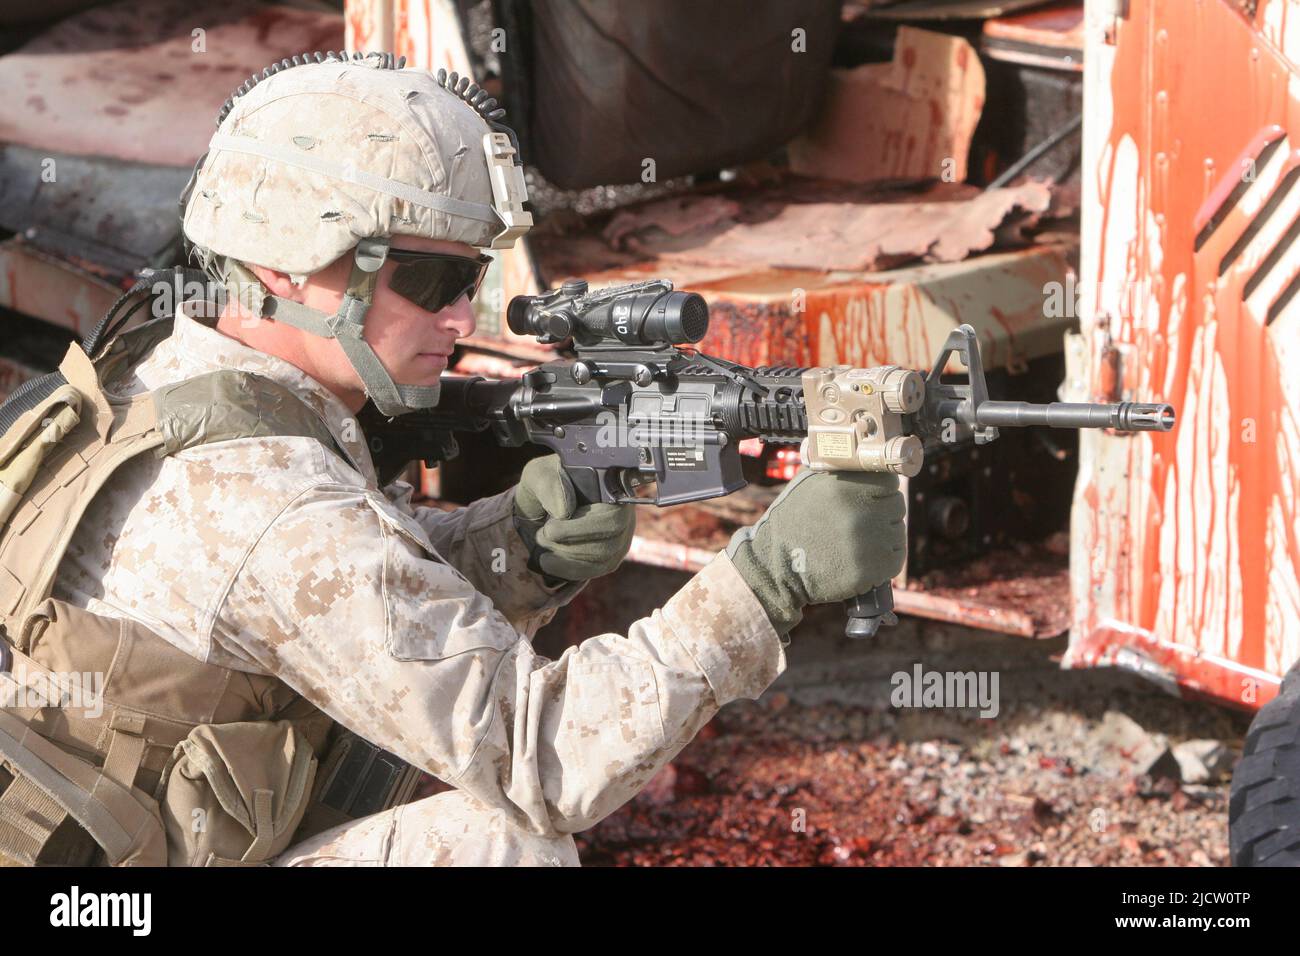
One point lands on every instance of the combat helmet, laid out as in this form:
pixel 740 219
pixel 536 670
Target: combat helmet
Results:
pixel 327 153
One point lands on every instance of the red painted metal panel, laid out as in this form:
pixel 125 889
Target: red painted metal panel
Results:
pixel 1185 544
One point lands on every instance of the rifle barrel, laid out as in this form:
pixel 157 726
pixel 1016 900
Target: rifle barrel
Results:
pixel 1124 416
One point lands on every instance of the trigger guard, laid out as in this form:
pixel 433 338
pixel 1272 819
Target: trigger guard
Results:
pixel 628 494
pixel 610 486
pixel 621 477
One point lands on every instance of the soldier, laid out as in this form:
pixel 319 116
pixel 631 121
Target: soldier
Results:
pixel 253 571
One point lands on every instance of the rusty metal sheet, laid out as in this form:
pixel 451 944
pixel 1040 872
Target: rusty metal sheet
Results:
pixel 132 80
pixel 113 216
pixel 841 236
pixel 911 118
pixel 1188 543
pixel 51 289
pixel 1060 25
pixel 675 216
pixel 757 317
pixel 1051 38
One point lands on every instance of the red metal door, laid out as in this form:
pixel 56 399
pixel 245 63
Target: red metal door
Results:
pixel 1185 551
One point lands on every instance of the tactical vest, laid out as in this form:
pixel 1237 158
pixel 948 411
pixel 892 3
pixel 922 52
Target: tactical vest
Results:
pixel 186 763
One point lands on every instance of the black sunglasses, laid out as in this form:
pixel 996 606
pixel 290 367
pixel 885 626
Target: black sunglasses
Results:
pixel 435 280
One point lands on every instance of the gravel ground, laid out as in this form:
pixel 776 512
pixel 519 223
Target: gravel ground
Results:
pixel 824 770
pixel 779 783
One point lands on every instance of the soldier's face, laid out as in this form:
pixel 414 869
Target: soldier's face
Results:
pixel 413 344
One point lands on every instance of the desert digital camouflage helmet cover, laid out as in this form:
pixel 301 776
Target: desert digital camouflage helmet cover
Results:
pixel 327 153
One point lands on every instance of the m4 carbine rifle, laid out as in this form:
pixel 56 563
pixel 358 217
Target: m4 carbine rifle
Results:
pixel 635 412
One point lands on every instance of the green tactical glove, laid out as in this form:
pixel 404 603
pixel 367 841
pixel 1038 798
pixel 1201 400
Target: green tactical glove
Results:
pixel 566 540
pixel 827 537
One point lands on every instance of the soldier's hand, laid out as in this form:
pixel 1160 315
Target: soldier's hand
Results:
pixel 827 537
pixel 566 540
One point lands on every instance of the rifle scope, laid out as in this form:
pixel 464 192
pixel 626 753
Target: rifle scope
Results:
pixel 642 314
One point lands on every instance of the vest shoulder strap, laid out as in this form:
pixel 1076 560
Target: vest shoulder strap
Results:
pixel 228 404
pixel 60 478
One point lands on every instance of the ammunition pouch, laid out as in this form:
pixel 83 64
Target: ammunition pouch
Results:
pixel 236 793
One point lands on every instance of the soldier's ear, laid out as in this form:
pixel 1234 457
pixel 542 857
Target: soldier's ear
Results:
pixel 278 283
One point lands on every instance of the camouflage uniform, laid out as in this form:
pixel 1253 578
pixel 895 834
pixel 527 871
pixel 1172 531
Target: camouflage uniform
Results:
pixel 407 624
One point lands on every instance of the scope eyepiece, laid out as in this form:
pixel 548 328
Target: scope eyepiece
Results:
pixel 530 315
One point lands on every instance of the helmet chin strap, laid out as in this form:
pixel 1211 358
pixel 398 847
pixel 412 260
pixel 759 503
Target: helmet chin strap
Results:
pixel 347 325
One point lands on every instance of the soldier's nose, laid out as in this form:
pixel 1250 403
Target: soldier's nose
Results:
pixel 458 317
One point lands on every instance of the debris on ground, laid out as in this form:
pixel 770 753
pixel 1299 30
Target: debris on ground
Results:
pixel 1203 761
pixel 1074 771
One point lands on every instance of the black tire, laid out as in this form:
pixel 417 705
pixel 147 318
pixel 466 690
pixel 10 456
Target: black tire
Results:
pixel 1264 809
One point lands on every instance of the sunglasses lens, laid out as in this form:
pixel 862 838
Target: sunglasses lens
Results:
pixel 435 283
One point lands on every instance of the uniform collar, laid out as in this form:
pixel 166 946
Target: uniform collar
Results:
pixel 204 347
